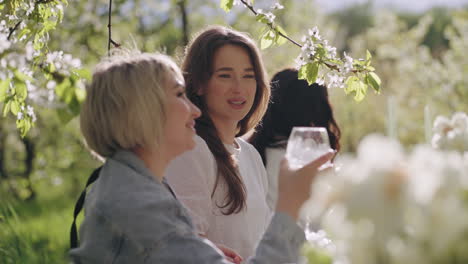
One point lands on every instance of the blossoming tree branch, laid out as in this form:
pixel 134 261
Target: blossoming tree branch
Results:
pixel 32 75
pixel 317 61
pixel 30 72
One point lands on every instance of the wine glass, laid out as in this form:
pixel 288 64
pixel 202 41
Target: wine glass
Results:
pixel 306 144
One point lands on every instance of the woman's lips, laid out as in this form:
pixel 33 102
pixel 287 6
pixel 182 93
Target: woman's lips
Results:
pixel 191 125
pixel 237 103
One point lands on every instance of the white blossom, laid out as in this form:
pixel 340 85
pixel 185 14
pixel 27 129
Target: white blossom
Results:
pixel 335 80
pixel 30 112
pixel 451 134
pixel 315 33
pixel 51 84
pixel 388 204
pixel 347 65
pixel 277 6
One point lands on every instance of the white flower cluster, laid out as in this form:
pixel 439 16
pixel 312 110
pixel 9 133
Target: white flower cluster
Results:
pixel 387 206
pixel 29 111
pixel 268 15
pixel 63 63
pixel 17 56
pixel 451 134
pixel 4 42
pixel 314 41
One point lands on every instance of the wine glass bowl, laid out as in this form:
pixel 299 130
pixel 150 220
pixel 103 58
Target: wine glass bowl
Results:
pixel 306 144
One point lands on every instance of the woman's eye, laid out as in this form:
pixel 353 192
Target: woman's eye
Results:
pixel 224 75
pixel 249 76
pixel 180 94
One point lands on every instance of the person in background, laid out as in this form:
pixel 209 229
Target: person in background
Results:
pixel 136 115
pixel 226 193
pixel 293 103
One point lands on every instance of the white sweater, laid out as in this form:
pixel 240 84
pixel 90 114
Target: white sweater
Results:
pixel 192 176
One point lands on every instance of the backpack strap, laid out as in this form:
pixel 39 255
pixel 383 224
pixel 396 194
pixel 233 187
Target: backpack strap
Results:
pixel 79 206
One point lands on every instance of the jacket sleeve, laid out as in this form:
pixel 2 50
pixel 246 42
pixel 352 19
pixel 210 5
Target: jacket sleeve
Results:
pixel 280 244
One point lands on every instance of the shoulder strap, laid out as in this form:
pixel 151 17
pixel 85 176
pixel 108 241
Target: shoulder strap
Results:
pixel 79 206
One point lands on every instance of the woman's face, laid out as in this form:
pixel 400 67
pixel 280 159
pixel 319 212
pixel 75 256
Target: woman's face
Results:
pixel 230 91
pixel 179 129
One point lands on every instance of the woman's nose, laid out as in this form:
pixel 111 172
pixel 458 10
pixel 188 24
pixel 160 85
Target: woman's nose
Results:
pixel 236 85
pixel 195 110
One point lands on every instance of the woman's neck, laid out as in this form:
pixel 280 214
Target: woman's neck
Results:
pixel 155 161
pixel 227 130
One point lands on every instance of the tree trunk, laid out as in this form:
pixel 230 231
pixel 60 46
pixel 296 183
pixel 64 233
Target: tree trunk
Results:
pixel 3 173
pixel 183 11
pixel 30 149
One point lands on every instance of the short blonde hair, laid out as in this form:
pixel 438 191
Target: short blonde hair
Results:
pixel 125 103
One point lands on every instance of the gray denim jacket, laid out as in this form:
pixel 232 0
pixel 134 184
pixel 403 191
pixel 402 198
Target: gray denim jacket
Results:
pixel 132 218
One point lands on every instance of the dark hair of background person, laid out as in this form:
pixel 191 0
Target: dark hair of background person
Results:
pixel 294 103
pixel 197 68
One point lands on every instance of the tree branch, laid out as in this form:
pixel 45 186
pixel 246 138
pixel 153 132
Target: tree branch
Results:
pixel 109 26
pixel 43 1
pixel 183 11
pixel 13 29
pixel 250 7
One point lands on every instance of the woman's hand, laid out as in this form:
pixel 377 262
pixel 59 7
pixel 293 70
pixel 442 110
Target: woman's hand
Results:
pixel 294 185
pixel 230 254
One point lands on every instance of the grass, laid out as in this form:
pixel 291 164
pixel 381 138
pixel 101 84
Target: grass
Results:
pixel 36 231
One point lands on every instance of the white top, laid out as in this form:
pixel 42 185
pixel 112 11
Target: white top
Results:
pixel 192 176
pixel 273 160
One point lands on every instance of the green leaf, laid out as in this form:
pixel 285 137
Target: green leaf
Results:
pixel 23 125
pixel 368 55
pixel 351 84
pixel 262 19
pixel 38 45
pixel 19 76
pixel 320 51
pixel 279 39
pixel 23 32
pixel 21 91
pixel 80 94
pixel 360 62
pixel 374 81
pixel 4 85
pixel 14 107
pixel 65 115
pixel 309 72
pixel 20 123
pixel 6 108
pixel 59 15
pixel 83 73
pixel 226 5
pixel 266 40
pixel 64 89
pixel 361 91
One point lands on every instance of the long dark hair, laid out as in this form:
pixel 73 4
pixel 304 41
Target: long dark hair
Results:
pixel 197 68
pixel 294 103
